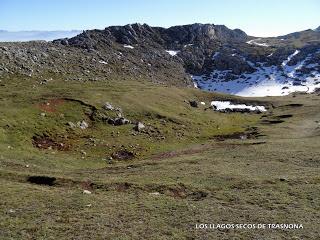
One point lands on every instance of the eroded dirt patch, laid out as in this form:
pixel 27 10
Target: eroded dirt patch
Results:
pixel 123 155
pixel 47 142
pixel 42 180
pixel 284 116
pixel 51 105
pixel 275 121
pixel 294 105
pixel 249 134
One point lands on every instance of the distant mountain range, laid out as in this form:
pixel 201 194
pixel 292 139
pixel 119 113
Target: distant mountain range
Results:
pixel 20 36
pixel 212 57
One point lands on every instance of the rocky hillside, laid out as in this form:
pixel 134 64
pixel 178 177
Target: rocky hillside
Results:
pixel 214 57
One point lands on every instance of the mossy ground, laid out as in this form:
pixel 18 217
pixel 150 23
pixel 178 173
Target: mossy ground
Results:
pixel 180 175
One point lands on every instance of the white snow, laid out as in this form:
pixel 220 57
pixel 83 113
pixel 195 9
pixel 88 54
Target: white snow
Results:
pixel 202 103
pixel 103 62
pixel 265 81
pixel 254 42
pixel 285 62
pixel 222 105
pixel 172 52
pixel 128 46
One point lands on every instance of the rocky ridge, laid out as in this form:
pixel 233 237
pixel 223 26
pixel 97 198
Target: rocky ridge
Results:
pixel 217 58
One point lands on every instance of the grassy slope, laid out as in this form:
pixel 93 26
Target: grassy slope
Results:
pixel 198 179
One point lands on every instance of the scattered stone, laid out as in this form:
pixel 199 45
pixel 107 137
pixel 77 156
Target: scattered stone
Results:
pixel 83 124
pixel 121 121
pixel 71 124
pixel 155 193
pixel 42 114
pixel 139 126
pixel 83 152
pixel 86 192
pixel 123 155
pixel 193 104
pixel 108 106
pixel 283 179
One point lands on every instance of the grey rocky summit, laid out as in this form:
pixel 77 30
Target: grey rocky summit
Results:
pixel 218 58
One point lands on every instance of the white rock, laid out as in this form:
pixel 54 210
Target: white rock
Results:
pixel 83 124
pixel 155 193
pixel 86 192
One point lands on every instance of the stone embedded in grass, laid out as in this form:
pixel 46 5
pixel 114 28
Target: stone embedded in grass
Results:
pixel 139 126
pixel 83 124
pixel 155 193
pixel 193 104
pixel 121 121
pixel 108 106
pixel 86 192
pixel 71 124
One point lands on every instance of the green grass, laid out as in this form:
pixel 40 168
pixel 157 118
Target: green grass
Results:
pixel 172 183
pixel 174 122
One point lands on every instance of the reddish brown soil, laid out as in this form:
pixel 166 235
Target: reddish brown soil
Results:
pixel 50 105
pixel 45 142
pixel 123 155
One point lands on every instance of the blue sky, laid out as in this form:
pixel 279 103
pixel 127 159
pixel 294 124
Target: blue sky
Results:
pixel 256 17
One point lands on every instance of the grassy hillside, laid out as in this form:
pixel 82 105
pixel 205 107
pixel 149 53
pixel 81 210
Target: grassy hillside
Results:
pixel 187 166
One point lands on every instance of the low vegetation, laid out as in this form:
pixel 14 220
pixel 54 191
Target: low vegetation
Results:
pixel 67 172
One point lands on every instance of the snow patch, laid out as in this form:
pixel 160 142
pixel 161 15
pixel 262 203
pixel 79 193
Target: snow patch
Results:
pixel 285 62
pixel 172 52
pixel 223 105
pixel 254 42
pixel 128 46
pixel 266 80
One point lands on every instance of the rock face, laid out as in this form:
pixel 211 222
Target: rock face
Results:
pixel 218 58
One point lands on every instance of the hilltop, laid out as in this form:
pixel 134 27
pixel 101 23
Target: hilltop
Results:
pixel 215 57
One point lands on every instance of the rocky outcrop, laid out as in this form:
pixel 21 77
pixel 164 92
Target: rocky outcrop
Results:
pixel 164 55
